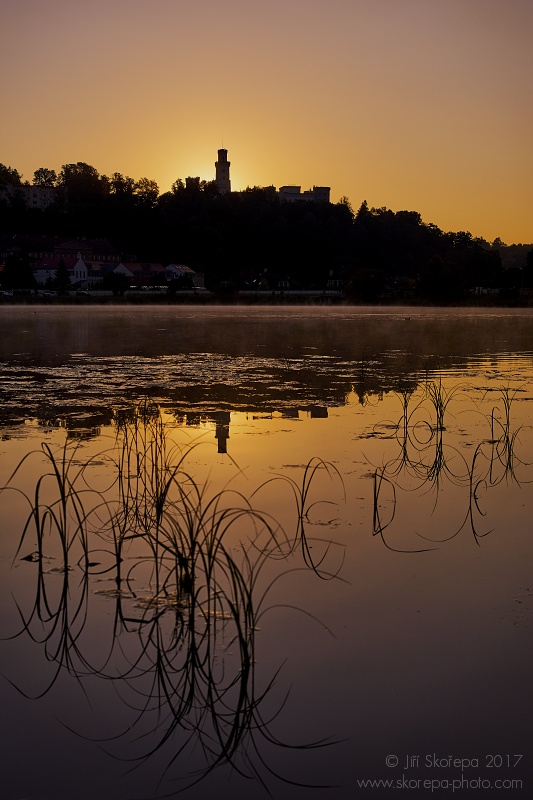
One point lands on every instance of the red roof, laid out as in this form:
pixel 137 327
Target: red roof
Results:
pixel 143 267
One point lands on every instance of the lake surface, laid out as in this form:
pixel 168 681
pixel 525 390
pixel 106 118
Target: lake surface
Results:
pixel 262 550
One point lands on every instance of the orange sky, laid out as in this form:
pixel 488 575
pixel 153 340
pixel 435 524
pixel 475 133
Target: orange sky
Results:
pixel 423 105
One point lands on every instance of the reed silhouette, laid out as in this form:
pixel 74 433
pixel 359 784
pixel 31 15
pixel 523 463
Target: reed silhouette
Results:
pixel 426 460
pixel 187 571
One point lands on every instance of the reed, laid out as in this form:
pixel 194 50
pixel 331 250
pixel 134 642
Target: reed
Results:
pixel 184 596
pixel 426 459
pixel 301 491
pixel 503 440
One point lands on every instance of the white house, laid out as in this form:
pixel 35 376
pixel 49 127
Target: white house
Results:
pixel 80 272
pixel 174 271
pixel 46 269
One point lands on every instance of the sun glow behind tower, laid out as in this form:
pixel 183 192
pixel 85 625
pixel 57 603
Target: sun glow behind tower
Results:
pixel 412 105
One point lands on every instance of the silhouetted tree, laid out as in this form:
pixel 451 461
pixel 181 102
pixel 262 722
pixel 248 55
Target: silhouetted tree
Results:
pixel 436 283
pixel 62 278
pixel 9 176
pixel 183 282
pixel 528 271
pixel 146 191
pixel 121 185
pixel 18 273
pixel 44 177
pixel 362 211
pixel 345 201
pixel 365 285
pixel 242 238
pixel 83 183
pixel 115 282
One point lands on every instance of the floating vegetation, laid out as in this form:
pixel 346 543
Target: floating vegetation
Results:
pixel 188 584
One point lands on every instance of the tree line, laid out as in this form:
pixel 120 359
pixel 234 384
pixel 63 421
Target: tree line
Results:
pixel 252 239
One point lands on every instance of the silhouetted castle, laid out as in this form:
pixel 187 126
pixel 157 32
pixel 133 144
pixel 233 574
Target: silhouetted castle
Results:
pixel 222 172
pixel 318 194
pixel 289 194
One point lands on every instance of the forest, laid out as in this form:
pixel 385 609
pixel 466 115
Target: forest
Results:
pixel 252 239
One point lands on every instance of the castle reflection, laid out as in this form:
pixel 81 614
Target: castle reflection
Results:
pixel 222 420
pixel 87 422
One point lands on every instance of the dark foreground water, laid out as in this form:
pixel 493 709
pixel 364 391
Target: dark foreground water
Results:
pixel 263 550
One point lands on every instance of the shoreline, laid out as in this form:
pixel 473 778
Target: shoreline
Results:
pixel 274 300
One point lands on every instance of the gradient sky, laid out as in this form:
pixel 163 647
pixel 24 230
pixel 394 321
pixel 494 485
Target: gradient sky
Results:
pixel 425 105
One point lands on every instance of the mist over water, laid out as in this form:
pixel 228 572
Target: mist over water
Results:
pixel 366 474
pixel 53 358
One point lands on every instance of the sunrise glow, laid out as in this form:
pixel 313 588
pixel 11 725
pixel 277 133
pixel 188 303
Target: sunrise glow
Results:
pixel 409 104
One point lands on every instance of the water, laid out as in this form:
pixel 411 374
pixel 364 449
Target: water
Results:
pixel 392 622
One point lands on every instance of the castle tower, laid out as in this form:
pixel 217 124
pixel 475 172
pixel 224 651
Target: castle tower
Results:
pixel 222 172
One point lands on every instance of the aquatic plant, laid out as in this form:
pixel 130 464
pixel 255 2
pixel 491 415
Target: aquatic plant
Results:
pixel 301 491
pixel 503 439
pixel 425 459
pixel 187 569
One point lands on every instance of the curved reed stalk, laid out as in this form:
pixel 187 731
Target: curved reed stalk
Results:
pixel 301 491
pixel 182 597
pixel 427 459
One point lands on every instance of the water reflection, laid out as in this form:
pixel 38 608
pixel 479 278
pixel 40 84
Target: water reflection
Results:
pixel 187 571
pixel 91 359
pixel 427 420
pixel 426 461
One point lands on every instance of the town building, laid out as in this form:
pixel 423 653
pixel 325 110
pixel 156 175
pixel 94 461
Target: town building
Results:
pixel 291 194
pixel 81 273
pixel 45 269
pixel 39 197
pixel 47 247
pixel 153 274
pixel 85 273
pixel 89 261
pixel 175 271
